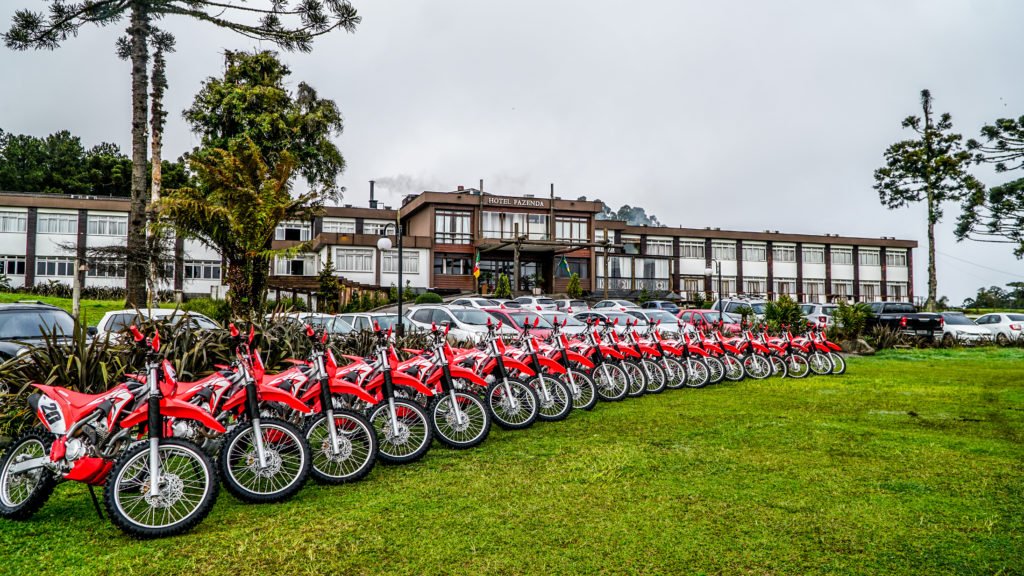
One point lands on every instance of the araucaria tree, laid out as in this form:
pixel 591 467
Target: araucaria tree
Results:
pixel 932 168
pixel 292 25
pixel 998 214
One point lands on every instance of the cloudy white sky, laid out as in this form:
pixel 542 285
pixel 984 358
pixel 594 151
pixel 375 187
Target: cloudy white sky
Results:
pixel 754 114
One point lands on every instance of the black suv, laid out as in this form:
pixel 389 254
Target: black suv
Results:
pixel 24 323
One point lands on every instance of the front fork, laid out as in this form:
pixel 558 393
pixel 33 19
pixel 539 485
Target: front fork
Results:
pixel 568 371
pixel 448 385
pixel 253 408
pixel 540 376
pixel 327 404
pixel 156 432
pixel 503 374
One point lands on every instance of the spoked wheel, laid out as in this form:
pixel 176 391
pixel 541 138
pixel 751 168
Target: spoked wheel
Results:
pixel 838 362
pixel 284 469
pixel 465 427
pixel 554 398
pixel 675 374
pixel 778 366
pixel 655 376
pixel 514 407
pixel 582 388
pixel 23 493
pixel 733 368
pixel 716 370
pixel 637 378
pixel 611 381
pixel 757 367
pixel 404 439
pixel 696 373
pixel 797 366
pixel 356 450
pixel 821 364
pixel 187 490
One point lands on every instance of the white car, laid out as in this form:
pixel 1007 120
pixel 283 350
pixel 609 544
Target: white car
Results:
pixel 465 322
pixel 614 305
pixel 572 305
pixel 476 302
pixel 536 303
pixel 117 321
pixel 365 320
pixel 1005 328
pixel 669 324
pixel 819 314
pixel 620 318
pixel 959 328
pixel 572 327
pixel 333 324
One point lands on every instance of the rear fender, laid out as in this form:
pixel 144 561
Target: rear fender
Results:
pixel 177 409
pixel 270 394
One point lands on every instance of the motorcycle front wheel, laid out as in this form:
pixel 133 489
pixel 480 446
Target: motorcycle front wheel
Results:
pixel 357 448
pixel 22 494
pixel 412 438
pixel 287 462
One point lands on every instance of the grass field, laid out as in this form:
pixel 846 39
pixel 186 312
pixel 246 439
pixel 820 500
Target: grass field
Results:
pixel 92 310
pixel 912 463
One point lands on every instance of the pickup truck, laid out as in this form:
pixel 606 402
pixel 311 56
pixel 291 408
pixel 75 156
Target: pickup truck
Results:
pixel 905 318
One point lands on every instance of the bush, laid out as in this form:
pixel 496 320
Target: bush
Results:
pixel 504 288
pixel 218 310
pixel 574 290
pixel 886 337
pixel 783 312
pixel 851 319
pixel 429 298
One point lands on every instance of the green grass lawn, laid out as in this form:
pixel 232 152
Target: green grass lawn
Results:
pixel 911 463
pixel 92 310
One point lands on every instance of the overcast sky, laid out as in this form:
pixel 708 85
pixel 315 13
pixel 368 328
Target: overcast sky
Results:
pixel 750 115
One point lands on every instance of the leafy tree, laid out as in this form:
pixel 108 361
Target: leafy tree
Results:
pixel 291 25
pixel 327 296
pixel 931 168
pixel 503 288
pixel 53 165
pixel 574 290
pixel 995 215
pixel 633 215
pixel 643 296
pixel 851 319
pixel 783 312
pixel 1002 144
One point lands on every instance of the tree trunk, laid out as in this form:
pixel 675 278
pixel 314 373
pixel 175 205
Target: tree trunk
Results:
pixel 247 285
pixel 157 130
pixel 136 265
pixel 929 305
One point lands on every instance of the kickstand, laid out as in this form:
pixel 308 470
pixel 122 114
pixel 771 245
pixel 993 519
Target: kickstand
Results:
pixel 95 502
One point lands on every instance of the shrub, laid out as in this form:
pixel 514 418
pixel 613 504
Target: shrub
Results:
pixel 886 337
pixel 851 319
pixel 783 312
pixel 218 310
pixel 504 288
pixel 429 298
pixel 574 290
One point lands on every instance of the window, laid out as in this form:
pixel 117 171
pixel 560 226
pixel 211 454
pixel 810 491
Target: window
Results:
pixel 579 266
pixel 202 270
pixel 843 288
pixel 655 268
pixel 869 258
pixel 755 286
pixel 659 247
pixel 410 262
pixel 57 224
pixel 691 250
pixel 566 229
pixel 54 266
pixel 784 253
pixel 813 254
pixel 353 260
pixel 814 290
pixel 451 227
pixel 107 225
pixel 896 290
pixel 693 284
pixel 754 253
pixel 377 228
pixel 338 226
pixel 723 251
pixel 107 269
pixel 618 266
pixel 292 231
pixel 869 291
pixel 537 226
pixel 13 221
pixel 12 265
pixel 452 265
pixel 728 285
pixel 842 256
pixel 896 258
pixel 785 286
pixel 630 245
pixel 298 266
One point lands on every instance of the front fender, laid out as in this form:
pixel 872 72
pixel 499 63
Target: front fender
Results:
pixel 513 365
pixel 579 359
pixel 401 379
pixel 629 351
pixel 347 388
pixel 649 350
pixel 698 350
pixel 671 349
pixel 466 374
pixel 550 364
pixel 608 351
pixel 269 394
pixel 178 409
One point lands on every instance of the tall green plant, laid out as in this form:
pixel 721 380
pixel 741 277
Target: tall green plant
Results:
pixel 851 319
pixel 574 290
pixel 503 288
pixel 782 313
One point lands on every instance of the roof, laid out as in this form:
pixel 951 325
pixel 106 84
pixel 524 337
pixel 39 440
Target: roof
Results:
pixel 31 305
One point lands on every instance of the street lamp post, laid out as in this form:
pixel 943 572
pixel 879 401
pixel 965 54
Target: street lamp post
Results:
pixel 383 244
pixel 708 272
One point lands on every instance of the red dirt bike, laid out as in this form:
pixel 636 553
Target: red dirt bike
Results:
pixel 577 366
pixel 553 395
pixel 610 380
pixel 512 402
pixel 159 486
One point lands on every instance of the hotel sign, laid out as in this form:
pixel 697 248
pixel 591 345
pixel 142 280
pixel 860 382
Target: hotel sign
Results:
pixel 515 202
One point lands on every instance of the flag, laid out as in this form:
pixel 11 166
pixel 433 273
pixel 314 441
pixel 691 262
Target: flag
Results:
pixel 476 266
pixel 566 264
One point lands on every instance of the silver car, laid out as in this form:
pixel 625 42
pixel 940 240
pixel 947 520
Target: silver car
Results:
pixel 819 314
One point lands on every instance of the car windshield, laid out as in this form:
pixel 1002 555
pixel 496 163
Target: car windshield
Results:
pixel 520 317
pixel 665 317
pixel 545 301
pixel 569 320
pixel 958 320
pixel 387 321
pixel 622 317
pixel 204 323
pixel 30 324
pixel 757 307
pixel 807 308
pixel 485 302
pixel 712 317
pixel 473 317
pixel 1016 317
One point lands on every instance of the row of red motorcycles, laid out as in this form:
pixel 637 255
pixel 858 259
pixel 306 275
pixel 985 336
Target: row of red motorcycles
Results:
pixel 161 448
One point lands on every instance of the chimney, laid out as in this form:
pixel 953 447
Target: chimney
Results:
pixel 373 201
pixel 481 184
pixel 461 189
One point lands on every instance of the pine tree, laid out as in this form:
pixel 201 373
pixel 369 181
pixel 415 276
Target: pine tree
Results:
pixel 574 290
pixel 327 295
pixel 504 288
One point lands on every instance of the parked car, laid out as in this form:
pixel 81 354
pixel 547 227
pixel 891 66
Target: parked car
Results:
pixel 735 306
pixel 516 319
pixel 117 321
pixel 1005 328
pixel 571 305
pixel 617 305
pixel 959 328
pixel 475 302
pixel 25 324
pixel 536 303
pixel 465 322
pixel 904 317
pixel 701 318
pixel 506 303
pixel 670 307
pixel 611 316
pixel 365 320
pixel 572 325
pixel 669 324
pixel 819 314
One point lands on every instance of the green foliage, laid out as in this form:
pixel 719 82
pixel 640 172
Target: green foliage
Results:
pixel 633 215
pixel 995 297
pixel 887 338
pixel 1001 144
pixel 783 312
pixel 643 296
pixel 218 310
pixel 327 295
pixel 996 215
pixel 851 319
pixel 504 288
pixel 5 283
pixel 429 298
pixel 574 290
pixel 700 302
